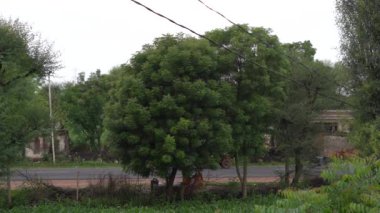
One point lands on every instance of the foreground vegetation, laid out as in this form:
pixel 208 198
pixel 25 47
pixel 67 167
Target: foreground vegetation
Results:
pixel 352 186
pixel 235 205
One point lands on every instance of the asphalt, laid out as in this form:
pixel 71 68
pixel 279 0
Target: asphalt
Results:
pixel 96 173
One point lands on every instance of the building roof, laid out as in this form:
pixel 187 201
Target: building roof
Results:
pixel 334 115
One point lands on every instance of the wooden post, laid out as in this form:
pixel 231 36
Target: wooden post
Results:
pixel 9 189
pixel 77 190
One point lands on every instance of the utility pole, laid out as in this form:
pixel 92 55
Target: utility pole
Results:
pixel 51 121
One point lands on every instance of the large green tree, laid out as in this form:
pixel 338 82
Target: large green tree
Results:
pixel 167 111
pixel 23 53
pixel 24 59
pixel 359 21
pixel 23 115
pixel 254 69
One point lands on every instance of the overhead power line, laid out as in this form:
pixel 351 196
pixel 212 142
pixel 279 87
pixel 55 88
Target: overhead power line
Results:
pixel 202 36
pixel 231 51
pixel 250 33
pixel 218 13
pixel 184 27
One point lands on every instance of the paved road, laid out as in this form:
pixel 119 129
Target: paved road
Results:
pixel 95 173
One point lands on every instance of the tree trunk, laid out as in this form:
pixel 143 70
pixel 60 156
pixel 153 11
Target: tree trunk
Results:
pixel 183 188
pixel 98 143
pixel 186 181
pixel 237 167
pixel 244 183
pixel 287 172
pixel 169 184
pixel 298 168
pixel 242 178
pixel 9 189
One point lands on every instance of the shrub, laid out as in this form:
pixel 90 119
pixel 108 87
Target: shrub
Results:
pixel 354 186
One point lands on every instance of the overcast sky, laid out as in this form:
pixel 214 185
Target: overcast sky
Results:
pixel 100 34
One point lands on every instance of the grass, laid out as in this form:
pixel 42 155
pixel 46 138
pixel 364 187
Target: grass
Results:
pixel 64 164
pixel 354 192
pixel 230 205
pixel 119 195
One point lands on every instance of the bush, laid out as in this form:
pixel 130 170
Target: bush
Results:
pixel 353 187
pixel 354 184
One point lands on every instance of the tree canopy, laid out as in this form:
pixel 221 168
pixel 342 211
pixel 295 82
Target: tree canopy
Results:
pixel 310 81
pixel 167 112
pixel 23 60
pixel 83 104
pixel 253 70
pixel 359 21
pixel 23 53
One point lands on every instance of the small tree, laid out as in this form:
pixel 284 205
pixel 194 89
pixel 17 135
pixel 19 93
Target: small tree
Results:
pixel 308 80
pixel 83 107
pixel 359 22
pixel 254 72
pixel 167 111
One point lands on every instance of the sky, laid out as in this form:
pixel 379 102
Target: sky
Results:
pixel 100 34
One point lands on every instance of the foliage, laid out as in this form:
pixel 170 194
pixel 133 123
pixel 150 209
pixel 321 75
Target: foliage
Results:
pixel 253 70
pixel 18 123
pixel 82 106
pixel 56 92
pixel 254 86
pixel 354 187
pixel 230 205
pixel 22 112
pixel 359 21
pixel 369 132
pixel 23 60
pixel 166 112
pixel 295 131
pixel 23 53
pixel 356 181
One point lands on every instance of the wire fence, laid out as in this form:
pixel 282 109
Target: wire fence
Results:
pixel 74 178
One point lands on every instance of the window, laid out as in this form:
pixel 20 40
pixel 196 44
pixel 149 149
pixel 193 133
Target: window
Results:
pixel 330 128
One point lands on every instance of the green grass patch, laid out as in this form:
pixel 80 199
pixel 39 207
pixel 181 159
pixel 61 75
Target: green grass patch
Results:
pixel 230 205
pixel 65 164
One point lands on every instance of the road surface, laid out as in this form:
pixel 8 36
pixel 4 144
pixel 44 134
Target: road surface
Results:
pixel 96 173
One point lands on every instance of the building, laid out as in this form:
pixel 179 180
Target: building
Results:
pixel 335 125
pixel 41 146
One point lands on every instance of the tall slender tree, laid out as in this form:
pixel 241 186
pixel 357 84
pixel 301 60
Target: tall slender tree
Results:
pixel 359 21
pixel 253 69
pixel 309 82
pixel 83 104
